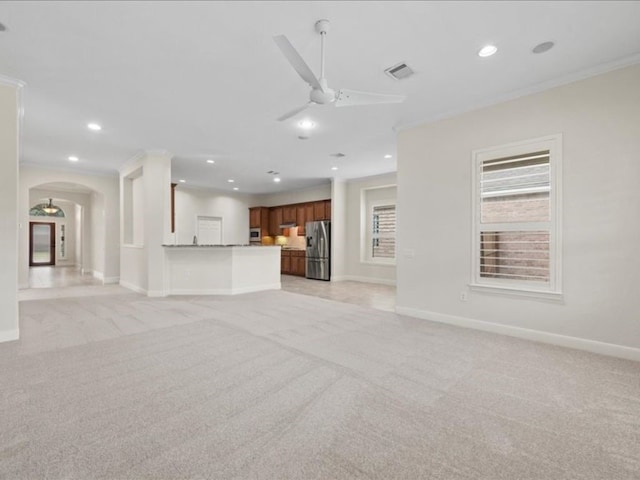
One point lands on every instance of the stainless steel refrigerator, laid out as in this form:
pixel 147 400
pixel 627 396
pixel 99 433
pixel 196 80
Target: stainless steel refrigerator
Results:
pixel 318 250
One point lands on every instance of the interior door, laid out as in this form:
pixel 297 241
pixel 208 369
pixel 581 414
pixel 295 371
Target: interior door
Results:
pixel 42 243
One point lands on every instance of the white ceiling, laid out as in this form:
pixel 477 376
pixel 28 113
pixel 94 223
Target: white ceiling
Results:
pixel 205 79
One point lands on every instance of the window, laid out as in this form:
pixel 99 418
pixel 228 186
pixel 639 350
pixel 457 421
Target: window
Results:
pixel 378 225
pixel 383 232
pixel 516 216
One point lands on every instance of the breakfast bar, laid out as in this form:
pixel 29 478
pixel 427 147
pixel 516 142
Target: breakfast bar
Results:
pixel 220 269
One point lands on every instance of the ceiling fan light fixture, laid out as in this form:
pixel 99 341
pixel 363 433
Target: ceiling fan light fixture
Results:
pixel 306 124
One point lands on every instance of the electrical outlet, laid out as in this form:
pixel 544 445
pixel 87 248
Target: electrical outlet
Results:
pixel 464 296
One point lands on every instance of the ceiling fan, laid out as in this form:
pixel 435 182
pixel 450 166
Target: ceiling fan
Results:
pixel 321 94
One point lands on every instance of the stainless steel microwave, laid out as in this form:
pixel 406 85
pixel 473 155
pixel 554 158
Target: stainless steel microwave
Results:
pixel 254 235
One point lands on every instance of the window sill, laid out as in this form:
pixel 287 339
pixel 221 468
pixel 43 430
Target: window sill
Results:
pixel 555 297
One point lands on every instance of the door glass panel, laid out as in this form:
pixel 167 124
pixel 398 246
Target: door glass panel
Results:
pixel 41 244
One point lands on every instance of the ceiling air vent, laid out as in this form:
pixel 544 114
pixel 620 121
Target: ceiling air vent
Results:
pixel 337 155
pixel 399 71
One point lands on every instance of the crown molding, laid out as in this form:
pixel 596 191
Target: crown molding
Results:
pixel 537 88
pixel 12 82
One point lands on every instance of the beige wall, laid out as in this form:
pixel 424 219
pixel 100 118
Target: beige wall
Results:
pixel 599 119
pixel 9 134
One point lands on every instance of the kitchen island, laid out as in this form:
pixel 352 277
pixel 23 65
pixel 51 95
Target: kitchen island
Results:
pixel 220 269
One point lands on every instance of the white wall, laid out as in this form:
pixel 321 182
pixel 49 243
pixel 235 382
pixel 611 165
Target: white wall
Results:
pixel 356 269
pixel 107 186
pixel 599 119
pixel 338 230
pixel 311 194
pixel 10 106
pixel 142 266
pixel 98 235
pixel 233 209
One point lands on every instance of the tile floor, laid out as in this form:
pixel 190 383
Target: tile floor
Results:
pixel 59 282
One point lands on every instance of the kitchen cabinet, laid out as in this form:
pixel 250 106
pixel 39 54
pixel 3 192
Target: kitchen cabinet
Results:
pixel 300 219
pixel 293 262
pixel 322 210
pixel 275 220
pixel 308 212
pixel 298 261
pixel 254 217
pixel 289 214
pixel 327 209
pixel 318 210
pixel 259 218
pixel 285 262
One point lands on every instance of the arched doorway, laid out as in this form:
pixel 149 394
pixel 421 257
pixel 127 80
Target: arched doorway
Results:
pixel 60 234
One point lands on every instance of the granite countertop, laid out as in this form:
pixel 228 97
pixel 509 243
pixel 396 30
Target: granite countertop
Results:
pixel 182 245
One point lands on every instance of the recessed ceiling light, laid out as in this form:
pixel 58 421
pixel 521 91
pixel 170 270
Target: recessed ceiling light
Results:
pixel 211 161
pixel 231 180
pixel 487 51
pixel 94 126
pixel 236 188
pixel 276 179
pixel 543 47
pixel 306 124
pixel 73 159
pixel 182 180
pixel 388 156
pixel 334 168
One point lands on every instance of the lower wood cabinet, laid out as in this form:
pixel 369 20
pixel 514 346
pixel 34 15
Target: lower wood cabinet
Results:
pixel 293 262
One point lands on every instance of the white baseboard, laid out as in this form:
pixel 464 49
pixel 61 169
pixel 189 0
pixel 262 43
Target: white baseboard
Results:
pixel 9 335
pixel 225 291
pixel 593 346
pixel 356 278
pixel 111 280
pixel 133 287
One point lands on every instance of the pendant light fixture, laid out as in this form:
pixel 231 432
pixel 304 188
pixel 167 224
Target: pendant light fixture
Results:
pixel 51 209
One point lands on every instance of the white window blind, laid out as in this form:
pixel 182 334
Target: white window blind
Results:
pixel 383 234
pixel 515 190
pixel 515 230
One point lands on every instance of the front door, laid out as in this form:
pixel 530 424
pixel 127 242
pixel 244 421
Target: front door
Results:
pixel 42 243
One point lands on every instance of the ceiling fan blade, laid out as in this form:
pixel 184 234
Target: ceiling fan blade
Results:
pixel 293 113
pixel 296 61
pixel 349 98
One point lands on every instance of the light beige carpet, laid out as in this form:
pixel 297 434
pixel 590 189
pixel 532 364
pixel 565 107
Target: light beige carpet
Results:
pixel 276 385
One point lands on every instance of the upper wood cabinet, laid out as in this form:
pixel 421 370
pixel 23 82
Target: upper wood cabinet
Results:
pixel 259 218
pixel 300 219
pixel 308 212
pixel 318 210
pixel 275 220
pixel 289 214
pixel 254 217
pixel 269 219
